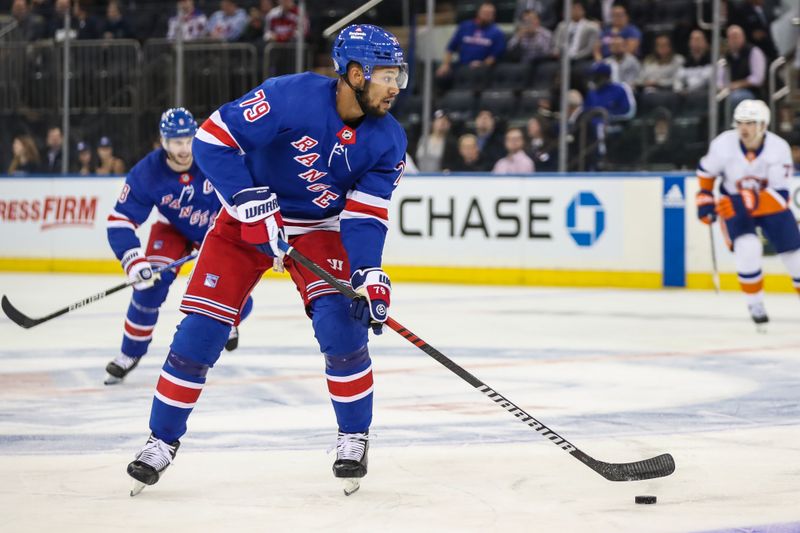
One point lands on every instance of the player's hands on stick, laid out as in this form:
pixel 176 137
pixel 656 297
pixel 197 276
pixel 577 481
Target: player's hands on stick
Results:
pixel 375 290
pixel 138 269
pixel 725 208
pixel 705 206
pixel 258 210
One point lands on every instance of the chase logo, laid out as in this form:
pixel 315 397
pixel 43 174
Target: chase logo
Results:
pixel 586 218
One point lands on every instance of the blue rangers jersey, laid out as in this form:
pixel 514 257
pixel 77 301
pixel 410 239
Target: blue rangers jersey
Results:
pixel 287 134
pixel 184 199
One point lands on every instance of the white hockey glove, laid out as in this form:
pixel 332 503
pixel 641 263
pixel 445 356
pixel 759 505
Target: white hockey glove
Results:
pixel 138 269
pixel 258 210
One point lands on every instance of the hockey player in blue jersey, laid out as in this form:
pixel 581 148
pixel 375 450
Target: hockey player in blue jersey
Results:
pixel 314 160
pixel 169 180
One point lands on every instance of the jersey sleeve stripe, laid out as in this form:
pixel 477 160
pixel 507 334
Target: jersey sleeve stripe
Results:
pixel 369 199
pixel 214 129
pixel 354 206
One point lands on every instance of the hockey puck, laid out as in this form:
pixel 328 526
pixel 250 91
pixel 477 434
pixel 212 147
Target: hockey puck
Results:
pixel 645 499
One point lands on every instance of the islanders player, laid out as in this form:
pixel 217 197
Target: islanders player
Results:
pixel 314 160
pixel 756 167
pixel 168 179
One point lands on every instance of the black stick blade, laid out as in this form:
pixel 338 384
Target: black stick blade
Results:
pixel 655 467
pixel 16 315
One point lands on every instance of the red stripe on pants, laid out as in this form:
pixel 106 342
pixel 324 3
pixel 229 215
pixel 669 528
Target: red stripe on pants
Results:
pixel 350 388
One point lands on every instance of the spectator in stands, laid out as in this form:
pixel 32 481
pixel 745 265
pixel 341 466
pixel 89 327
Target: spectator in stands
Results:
pixel 478 42
pixel 254 31
pixel 661 67
pixel 756 20
pixel 82 24
pixel 580 34
pixel 107 163
pixel 193 21
pixel 539 146
pixel 30 27
pixel 439 147
pixel 54 156
pixel 116 25
pixel 620 26
pixel 546 9
pixel 695 73
pixel 616 98
pixel 87 24
pixel 625 67
pixel 663 150
pixel 85 165
pixel 282 21
pixel 469 156
pixel 228 23
pixel 746 68
pixel 25 156
pixel 531 42
pixel 516 160
pixel 490 140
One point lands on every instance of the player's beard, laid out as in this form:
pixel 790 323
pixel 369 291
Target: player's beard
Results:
pixel 362 97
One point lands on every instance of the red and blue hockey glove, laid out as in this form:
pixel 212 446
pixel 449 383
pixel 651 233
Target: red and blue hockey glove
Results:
pixel 138 269
pixel 705 206
pixel 258 210
pixel 371 308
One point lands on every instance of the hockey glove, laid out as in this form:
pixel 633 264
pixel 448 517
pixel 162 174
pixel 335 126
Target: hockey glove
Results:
pixel 705 206
pixel 138 269
pixel 725 207
pixel 371 308
pixel 750 188
pixel 258 211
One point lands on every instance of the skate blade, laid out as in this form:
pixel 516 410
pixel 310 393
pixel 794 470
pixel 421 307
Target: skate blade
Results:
pixel 112 380
pixel 761 328
pixel 138 487
pixel 351 485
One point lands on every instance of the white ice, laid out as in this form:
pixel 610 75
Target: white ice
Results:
pixel 623 375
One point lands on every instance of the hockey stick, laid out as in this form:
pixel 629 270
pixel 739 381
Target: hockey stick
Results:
pixel 21 319
pixel 659 466
pixel 714 269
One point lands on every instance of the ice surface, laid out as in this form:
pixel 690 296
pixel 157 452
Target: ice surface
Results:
pixel 623 375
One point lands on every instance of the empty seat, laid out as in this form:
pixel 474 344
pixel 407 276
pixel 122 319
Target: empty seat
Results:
pixel 473 78
pixel 458 101
pixel 502 103
pixel 509 76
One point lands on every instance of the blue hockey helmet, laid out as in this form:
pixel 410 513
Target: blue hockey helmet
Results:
pixel 177 122
pixel 370 47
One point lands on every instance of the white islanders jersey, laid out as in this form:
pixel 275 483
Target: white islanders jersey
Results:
pixel 729 159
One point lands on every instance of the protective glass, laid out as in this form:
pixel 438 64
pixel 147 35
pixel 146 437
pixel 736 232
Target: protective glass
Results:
pixel 390 76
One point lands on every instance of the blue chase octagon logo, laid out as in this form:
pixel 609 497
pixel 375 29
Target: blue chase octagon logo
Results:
pixel 590 209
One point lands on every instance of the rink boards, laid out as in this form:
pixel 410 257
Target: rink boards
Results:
pixel 623 230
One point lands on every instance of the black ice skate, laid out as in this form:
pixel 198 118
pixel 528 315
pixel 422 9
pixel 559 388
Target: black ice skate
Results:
pixel 759 316
pixel 151 462
pixel 351 459
pixel 120 367
pixel 233 339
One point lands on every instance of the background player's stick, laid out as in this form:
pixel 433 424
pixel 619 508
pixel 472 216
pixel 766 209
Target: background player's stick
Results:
pixel 21 319
pixel 659 466
pixel 714 269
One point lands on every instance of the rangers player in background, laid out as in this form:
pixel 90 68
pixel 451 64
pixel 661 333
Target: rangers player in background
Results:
pixel 169 180
pixel 316 160
pixel 756 167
